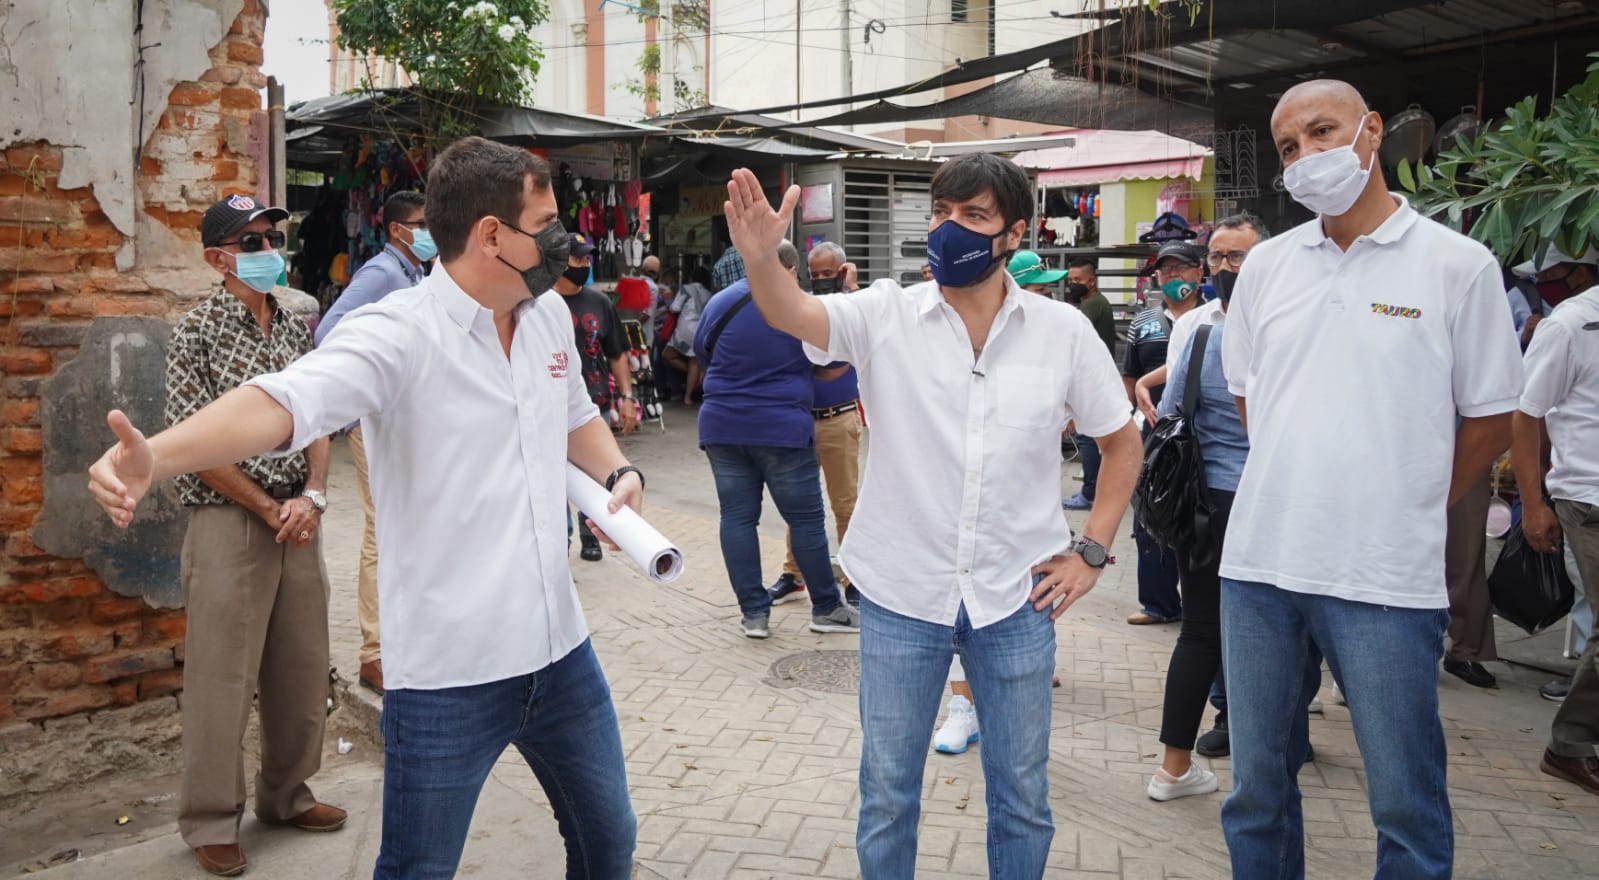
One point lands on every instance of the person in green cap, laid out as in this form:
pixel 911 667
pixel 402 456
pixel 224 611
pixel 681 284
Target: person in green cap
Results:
pixel 1032 274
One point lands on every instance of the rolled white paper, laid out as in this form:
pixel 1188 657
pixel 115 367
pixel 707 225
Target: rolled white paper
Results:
pixel 661 561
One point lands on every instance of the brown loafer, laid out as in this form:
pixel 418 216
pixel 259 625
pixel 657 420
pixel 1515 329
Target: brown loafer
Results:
pixel 1578 771
pixel 371 676
pixel 322 817
pixel 221 859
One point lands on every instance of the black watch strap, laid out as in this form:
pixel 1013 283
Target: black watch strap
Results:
pixel 610 482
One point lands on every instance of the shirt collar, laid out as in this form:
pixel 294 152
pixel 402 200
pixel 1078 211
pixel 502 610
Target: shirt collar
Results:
pixel 929 296
pixel 235 307
pixel 1391 230
pixel 462 309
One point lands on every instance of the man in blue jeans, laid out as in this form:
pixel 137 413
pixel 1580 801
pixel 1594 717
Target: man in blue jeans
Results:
pixel 470 392
pixel 1353 344
pixel 958 544
pixel 757 430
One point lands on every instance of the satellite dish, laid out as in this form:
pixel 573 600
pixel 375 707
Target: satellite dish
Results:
pixel 1407 135
pixel 1466 124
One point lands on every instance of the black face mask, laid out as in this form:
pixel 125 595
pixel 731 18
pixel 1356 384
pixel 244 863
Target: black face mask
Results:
pixel 556 247
pixel 821 286
pixel 1075 292
pixel 578 275
pixel 1224 281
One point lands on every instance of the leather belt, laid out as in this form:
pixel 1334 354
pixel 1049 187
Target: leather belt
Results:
pixel 834 411
pixel 284 491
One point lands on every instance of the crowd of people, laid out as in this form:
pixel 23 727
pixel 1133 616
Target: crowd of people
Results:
pixel 470 388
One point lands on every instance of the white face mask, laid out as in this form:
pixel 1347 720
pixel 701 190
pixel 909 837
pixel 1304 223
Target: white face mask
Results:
pixel 1329 182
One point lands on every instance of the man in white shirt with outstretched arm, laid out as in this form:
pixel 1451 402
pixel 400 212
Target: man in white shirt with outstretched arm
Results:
pixel 472 400
pixel 958 544
pixel 1371 355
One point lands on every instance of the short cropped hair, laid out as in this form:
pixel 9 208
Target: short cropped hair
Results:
pixel 475 178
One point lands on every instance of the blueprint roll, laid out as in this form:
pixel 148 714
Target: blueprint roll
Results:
pixel 660 560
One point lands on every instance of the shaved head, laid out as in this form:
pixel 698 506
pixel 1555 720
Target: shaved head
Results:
pixel 651 265
pixel 1323 114
pixel 1326 94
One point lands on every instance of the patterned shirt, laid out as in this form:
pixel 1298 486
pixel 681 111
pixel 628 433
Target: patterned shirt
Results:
pixel 728 269
pixel 1147 338
pixel 215 348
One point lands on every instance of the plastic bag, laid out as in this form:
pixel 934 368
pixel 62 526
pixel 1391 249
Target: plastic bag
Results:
pixel 1528 588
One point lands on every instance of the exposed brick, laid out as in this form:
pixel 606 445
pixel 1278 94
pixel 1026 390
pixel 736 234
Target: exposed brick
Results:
pixel 174 626
pixel 17 360
pixel 64 614
pixel 45 591
pixel 94 236
pixel 77 306
pixel 246 52
pixel 117 283
pixel 20 412
pixel 191 95
pixel 26 284
pixel 117 609
pixel 20 439
pixel 225 169
pixel 159 684
pixel 128 635
pixel 131 305
pixel 15 618
pixel 21 546
pixel 36 209
pixel 126 663
pixel 57 676
pixel 13 305
pixel 21 386
pixel 25 491
pixel 53 334
pixel 37 157
pixel 125 692
pixel 79 699
pixel 13 260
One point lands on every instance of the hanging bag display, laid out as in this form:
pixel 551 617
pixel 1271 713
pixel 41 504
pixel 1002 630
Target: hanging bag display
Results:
pixel 1172 499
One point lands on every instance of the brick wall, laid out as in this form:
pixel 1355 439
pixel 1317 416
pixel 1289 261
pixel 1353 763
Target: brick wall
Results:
pixel 67 644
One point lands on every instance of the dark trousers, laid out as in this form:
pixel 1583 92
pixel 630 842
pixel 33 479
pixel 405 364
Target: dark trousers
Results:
pixel 1089 450
pixel 1196 660
pixel 1471 616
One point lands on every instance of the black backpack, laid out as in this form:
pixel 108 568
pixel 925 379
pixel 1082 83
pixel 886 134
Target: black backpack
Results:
pixel 1172 498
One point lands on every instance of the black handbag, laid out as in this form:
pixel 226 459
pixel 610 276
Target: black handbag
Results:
pixel 1172 498
pixel 1528 588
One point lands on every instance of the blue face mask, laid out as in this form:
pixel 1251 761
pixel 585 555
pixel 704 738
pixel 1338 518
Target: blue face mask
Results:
pixel 960 257
pixel 1177 289
pixel 259 271
pixel 422 246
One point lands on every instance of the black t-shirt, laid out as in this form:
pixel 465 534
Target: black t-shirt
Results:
pixel 1147 338
pixel 599 340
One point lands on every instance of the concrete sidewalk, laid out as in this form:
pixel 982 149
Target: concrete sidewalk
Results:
pixel 742 756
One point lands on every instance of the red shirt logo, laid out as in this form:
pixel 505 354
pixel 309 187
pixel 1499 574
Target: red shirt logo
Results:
pixel 558 369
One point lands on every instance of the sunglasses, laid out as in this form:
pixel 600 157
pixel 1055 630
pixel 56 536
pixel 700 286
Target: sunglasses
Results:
pixel 251 242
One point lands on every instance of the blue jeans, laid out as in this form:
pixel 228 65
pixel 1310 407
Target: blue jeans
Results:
pixel 795 481
pixel 1157 576
pixel 439 746
pixel 1386 661
pixel 1089 450
pixel 904 664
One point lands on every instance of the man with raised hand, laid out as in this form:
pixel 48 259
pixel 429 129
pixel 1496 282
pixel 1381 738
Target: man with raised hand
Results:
pixel 958 544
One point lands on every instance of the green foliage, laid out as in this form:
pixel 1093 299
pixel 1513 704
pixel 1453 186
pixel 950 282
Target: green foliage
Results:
pixel 1530 182
pixel 474 52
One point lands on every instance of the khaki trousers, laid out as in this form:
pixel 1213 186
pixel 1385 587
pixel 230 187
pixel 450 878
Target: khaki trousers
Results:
pixel 1575 730
pixel 838 448
pixel 258 627
pixel 1471 615
pixel 366 590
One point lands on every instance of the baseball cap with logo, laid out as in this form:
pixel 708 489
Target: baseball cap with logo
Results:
pixel 1028 268
pixel 581 246
pixel 1179 250
pixel 229 215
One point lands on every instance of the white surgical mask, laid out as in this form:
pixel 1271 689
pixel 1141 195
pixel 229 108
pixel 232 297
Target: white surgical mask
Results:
pixel 1329 182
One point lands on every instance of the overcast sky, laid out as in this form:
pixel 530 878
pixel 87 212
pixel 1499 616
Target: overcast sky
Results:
pixel 297 50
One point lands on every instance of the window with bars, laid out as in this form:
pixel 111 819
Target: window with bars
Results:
pixel 885 222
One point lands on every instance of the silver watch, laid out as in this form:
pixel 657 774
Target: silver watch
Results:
pixel 318 500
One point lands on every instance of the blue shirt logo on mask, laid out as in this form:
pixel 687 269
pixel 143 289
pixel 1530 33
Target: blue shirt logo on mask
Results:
pixel 960 257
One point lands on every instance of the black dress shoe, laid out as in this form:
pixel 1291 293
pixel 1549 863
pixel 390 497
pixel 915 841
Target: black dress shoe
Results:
pixel 1555 691
pixel 1471 672
pixel 591 551
pixel 1215 743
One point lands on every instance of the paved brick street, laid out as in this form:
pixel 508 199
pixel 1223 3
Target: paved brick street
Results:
pixel 738 771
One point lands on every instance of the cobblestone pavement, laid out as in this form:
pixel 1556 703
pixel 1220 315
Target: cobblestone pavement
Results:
pixel 742 756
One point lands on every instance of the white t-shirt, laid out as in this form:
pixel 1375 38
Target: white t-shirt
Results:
pixel 1204 313
pixel 1563 389
pixel 961 493
pixel 1354 366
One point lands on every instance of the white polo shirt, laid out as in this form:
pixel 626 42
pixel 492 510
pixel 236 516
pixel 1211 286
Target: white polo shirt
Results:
pixel 961 495
pixel 1205 313
pixel 1354 366
pixel 467 449
pixel 1563 389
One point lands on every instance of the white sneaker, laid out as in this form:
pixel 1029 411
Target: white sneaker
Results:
pixel 960 728
pixel 1166 787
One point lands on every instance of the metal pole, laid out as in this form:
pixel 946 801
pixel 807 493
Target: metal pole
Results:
pixel 278 181
pixel 797 4
pixel 849 63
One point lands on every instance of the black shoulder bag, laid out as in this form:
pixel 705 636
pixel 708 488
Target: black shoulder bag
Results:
pixel 721 324
pixel 1172 499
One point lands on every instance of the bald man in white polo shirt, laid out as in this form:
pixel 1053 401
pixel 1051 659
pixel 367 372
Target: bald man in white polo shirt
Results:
pixel 1354 343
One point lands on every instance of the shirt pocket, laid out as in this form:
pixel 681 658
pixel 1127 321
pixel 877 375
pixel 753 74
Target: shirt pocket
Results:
pixel 1027 399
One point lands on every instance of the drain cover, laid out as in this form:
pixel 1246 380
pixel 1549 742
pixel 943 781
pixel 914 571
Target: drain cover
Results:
pixel 834 672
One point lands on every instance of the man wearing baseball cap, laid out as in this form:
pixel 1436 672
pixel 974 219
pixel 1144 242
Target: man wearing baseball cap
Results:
pixel 1031 274
pixel 253 581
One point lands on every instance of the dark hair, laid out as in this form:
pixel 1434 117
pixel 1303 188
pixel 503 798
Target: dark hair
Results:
pixel 475 178
pixel 1085 263
pixel 1242 220
pixel 402 206
pixel 966 177
pixel 700 275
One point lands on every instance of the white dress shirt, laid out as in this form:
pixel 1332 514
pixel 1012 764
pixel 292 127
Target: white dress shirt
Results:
pixel 1354 366
pixel 1183 328
pixel 1563 389
pixel 961 495
pixel 467 455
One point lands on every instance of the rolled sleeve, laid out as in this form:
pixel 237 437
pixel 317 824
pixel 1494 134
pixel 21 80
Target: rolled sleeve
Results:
pixel 856 322
pixel 1487 372
pixel 1548 369
pixel 1095 395
pixel 358 371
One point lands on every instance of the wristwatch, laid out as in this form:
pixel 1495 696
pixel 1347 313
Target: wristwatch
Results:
pixel 610 482
pixel 1093 552
pixel 318 500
